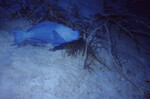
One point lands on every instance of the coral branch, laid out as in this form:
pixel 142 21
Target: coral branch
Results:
pixel 89 38
pixel 123 28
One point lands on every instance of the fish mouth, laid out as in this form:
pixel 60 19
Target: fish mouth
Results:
pixel 79 37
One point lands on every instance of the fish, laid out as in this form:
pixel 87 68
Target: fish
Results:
pixel 46 32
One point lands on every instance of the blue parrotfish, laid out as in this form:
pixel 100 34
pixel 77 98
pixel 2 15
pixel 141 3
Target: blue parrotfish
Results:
pixel 46 32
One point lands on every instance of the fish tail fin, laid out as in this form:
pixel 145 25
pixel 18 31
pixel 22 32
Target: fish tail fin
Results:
pixel 19 36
